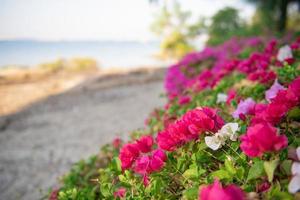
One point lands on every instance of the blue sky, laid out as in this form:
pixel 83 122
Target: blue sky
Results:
pixel 93 19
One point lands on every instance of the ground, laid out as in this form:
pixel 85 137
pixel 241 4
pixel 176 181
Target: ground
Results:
pixel 40 142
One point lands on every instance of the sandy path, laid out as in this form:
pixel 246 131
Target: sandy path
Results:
pixel 41 142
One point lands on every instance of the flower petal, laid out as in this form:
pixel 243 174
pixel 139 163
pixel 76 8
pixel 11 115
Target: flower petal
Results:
pixel 213 142
pixel 294 185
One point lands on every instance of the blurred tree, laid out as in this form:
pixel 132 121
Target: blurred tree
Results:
pixel 225 24
pixel 172 26
pixel 272 14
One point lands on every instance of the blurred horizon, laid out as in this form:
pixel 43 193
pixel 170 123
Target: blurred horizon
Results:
pixel 93 20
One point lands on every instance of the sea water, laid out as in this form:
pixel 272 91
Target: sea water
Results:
pixel 106 53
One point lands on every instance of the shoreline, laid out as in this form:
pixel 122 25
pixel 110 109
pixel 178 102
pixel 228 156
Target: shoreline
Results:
pixel 20 88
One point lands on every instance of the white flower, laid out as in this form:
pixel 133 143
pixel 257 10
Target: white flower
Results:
pixel 294 185
pixel 284 53
pixel 213 142
pixel 298 152
pixel 228 131
pixel 221 97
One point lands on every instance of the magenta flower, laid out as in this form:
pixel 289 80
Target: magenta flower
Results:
pixel 117 142
pixel 128 154
pixel 261 138
pixel 120 193
pixel 184 100
pixel 217 192
pixel 144 144
pixel 244 107
pixel 189 127
pixel 274 89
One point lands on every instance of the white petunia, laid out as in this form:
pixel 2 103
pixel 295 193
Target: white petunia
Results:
pixel 213 142
pixel 221 97
pixel 294 185
pixel 284 53
pixel 228 131
pixel 298 152
pixel 296 168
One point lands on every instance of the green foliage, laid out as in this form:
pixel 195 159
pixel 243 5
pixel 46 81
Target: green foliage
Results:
pixel 225 23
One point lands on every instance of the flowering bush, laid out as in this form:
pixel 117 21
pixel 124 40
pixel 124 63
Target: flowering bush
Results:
pixel 230 130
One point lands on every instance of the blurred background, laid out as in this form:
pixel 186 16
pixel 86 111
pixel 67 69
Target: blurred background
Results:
pixel 74 74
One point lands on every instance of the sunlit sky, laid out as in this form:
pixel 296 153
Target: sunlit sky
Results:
pixel 93 19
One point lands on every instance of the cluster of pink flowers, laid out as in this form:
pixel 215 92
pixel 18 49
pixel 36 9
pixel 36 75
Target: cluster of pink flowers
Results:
pixel 140 157
pixel 283 101
pixel 262 136
pixel 256 67
pixel 189 127
pixel 216 191
pixel 184 74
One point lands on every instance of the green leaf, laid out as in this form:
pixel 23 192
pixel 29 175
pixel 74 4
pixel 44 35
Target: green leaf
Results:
pixel 191 173
pixel 256 170
pixel 270 167
pixel 105 189
pixel 191 193
pixel 286 167
pixel 221 174
pixel 229 166
pixel 116 164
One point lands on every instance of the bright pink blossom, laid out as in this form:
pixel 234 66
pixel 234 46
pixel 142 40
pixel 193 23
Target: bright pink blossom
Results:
pixel 184 100
pixel 261 138
pixel 217 192
pixel 128 154
pixel 117 142
pixel 120 193
pixel 295 87
pixel 189 127
pixel 230 96
pixel 147 164
pixel 144 144
pixel 203 119
pixel 244 107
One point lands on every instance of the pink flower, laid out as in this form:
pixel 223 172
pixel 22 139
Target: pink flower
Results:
pixel 261 138
pixel 144 144
pixel 295 87
pixel 157 160
pixel 217 192
pixel 142 165
pixel 230 96
pixel 54 194
pixel 203 119
pixel 150 163
pixel 184 100
pixel 116 143
pixel 128 154
pixel 272 92
pixel 193 123
pixel 120 193
pixel 146 180
pixel 244 107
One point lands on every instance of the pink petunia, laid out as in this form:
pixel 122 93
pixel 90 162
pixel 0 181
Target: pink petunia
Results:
pixel 128 154
pixel 215 191
pixel 144 144
pixel 120 193
pixel 184 100
pixel 261 138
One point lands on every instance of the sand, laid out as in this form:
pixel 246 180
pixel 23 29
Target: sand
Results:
pixel 42 140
